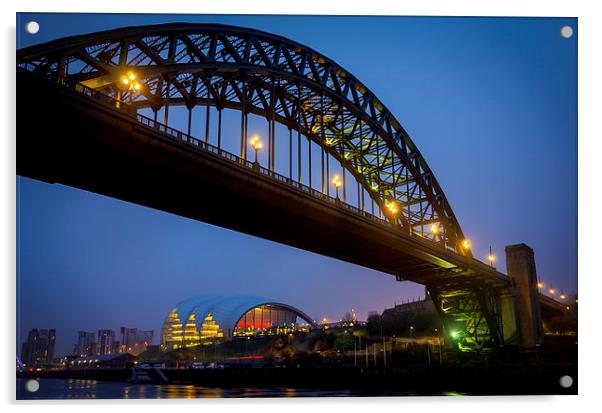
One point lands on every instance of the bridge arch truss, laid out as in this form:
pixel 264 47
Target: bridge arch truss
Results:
pixel 282 81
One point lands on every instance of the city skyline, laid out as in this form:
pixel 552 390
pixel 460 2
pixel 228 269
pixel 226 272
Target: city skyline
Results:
pixel 101 341
pixel 127 247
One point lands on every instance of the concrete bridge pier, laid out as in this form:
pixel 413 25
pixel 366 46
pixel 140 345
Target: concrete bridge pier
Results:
pixel 520 266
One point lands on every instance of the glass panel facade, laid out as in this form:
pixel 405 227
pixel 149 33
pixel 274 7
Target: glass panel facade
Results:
pixel 191 334
pixel 210 331
pixel 172 333
pixel 267 320
pixel 177 335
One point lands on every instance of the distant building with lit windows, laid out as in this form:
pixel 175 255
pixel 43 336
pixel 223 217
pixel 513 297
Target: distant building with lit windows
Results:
pixel 106 340
pixel 135 341
pixel 116 348
pixel 214 319
pixel 86 344
pixel 38 350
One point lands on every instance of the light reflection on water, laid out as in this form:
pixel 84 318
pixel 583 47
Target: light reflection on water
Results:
pixel 93 389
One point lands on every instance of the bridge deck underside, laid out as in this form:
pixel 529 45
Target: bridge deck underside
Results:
pixel 69 139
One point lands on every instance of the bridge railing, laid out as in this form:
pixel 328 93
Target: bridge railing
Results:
pixel 202 145
pixel 82 89
pixel 205 146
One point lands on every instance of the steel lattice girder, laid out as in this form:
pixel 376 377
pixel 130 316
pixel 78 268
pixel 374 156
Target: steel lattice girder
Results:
pixel 261 73
pixel 471 314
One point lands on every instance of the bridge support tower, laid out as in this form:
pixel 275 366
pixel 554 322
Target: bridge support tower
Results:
pixel 520 266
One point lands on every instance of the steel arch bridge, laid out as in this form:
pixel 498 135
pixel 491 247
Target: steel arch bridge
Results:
pixel 283 81
pixel 258 73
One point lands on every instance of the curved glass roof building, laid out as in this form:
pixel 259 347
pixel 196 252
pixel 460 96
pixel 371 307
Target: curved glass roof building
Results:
pixel 209 319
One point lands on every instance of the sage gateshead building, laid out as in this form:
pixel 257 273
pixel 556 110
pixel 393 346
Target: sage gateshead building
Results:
pixel 214 319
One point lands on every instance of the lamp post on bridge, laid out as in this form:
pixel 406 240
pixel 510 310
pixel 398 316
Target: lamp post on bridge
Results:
pixel 257 145
pixel 491 257
pixel 336 181
pixel 130 83
pixel 435 229
pixel 393 209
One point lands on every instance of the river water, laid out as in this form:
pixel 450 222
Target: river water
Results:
pixel 93 389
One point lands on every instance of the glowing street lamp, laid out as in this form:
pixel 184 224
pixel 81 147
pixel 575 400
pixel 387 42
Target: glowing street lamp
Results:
pixel 129 82
pixel 466 244
pixel 257 145
pixel 540 285
pixel 435 229
pixel 562 296
pixel 491 257
pixel 392 207
pixel 336 181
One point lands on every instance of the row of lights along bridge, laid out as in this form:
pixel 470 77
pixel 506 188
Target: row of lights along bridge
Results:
pixel 392 206
pixel 551 291
pixel 130 83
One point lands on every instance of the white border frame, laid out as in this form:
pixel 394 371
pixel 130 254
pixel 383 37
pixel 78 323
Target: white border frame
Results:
pixel 590 136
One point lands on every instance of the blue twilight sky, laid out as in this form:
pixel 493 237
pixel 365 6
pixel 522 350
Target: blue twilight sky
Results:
pixel 490 102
